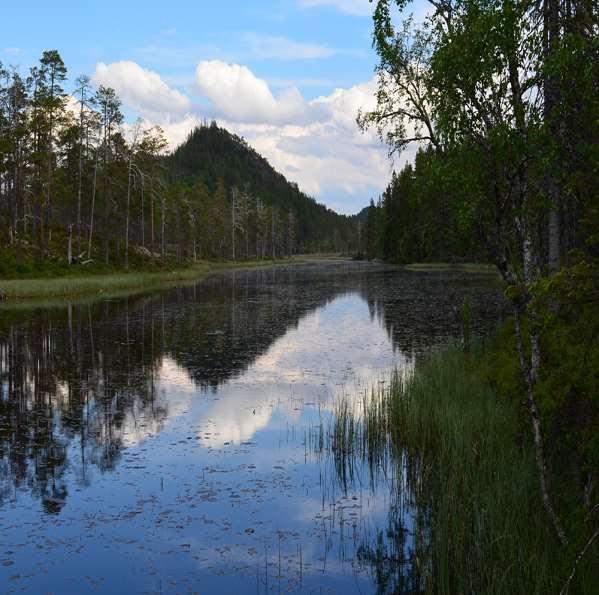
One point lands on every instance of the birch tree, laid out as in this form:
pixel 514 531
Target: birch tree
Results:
pixel 480 78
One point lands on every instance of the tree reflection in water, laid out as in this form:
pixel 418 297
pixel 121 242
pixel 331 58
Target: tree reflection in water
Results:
pixel 77 381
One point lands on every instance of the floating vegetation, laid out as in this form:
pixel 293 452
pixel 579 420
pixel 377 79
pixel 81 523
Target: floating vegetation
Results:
pixel 190 434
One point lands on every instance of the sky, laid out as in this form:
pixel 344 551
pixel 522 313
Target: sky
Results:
pixel 287 75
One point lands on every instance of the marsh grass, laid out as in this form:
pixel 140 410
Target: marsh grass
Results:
pixel 74 286
pixel 118 283
pixel 471 473
pixel 466 267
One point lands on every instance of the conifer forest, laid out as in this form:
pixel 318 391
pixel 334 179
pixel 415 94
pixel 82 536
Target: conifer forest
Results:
pixel 300 297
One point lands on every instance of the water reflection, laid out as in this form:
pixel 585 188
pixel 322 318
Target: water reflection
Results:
pixel 232 377
pixel 68 379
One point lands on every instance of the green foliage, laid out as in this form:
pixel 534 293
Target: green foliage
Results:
pixel 487 532
pixel 427 213
pixel 78 186
pixel 569 381
pixel 470 473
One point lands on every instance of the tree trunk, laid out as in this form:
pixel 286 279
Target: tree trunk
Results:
pixel 530 366
pixel 127 211
pixel 70 245
pixel 91 217
pixel 80 181
pixel 233 205
pixel 553 233
pixel 152 221
pixel 273 233
pixel 551 34
pixel 143 231
pixel 163 231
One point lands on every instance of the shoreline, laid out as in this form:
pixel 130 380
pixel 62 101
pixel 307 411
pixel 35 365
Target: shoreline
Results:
pixel 464 430
pixel 441 267
pixel 14 292
pixel 27 291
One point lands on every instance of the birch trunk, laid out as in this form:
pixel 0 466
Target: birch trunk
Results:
pixel 529 365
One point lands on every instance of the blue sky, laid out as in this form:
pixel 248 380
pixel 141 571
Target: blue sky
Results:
pixel 289 75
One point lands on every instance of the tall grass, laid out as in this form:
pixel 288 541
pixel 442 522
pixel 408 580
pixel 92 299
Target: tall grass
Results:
pixel 472 476
pixel 452 267
pixel 74 286
pixel 99 284
pixel 359 432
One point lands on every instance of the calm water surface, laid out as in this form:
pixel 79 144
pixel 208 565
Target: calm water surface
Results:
pixel 177 442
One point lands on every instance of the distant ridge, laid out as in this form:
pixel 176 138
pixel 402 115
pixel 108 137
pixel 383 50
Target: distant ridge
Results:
pixel 212 153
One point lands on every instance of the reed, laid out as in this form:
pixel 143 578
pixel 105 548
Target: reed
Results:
pixel 452 267
pixel 109 284
pixel 76 286
pixel 471 473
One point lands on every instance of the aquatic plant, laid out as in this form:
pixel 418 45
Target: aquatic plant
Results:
pixel 469 467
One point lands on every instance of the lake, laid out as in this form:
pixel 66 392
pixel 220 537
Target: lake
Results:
pixel 179 442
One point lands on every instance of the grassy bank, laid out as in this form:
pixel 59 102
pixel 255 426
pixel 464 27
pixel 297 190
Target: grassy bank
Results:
pixel 117 282
pixel 435 267
pixel 481 527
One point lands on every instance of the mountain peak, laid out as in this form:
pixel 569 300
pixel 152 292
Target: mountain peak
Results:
pixel 213 154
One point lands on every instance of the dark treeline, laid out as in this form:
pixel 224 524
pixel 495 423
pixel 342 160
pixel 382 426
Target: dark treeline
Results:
pixel 503 101
pixel 417 218
pixel 434 210
pixel 78 184
pixel 72 186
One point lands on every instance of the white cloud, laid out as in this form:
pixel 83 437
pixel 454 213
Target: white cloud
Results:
pixel 175 132
pixel 143 90
pixel 328 156
pixel 343 105
pixel 328 161
pixel 72 105
pixel 281 48
pixel 239 95
pixel 315 143
pixel 354 7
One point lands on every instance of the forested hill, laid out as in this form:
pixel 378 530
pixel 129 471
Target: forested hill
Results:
pixel 212 154
pixel 75 188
